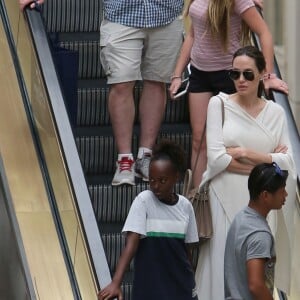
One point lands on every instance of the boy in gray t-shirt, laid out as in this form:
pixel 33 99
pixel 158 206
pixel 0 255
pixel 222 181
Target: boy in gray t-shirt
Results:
pixel 250 250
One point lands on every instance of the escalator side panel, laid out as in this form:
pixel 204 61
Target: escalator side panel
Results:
pixel 15 280
pixel 39 236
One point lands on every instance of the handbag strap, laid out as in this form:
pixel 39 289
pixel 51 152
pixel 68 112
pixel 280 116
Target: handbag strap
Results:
pixel 203 133
pixel 187 182
pixel 222 109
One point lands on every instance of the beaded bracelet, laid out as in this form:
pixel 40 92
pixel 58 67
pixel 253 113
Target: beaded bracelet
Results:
pixel 267 76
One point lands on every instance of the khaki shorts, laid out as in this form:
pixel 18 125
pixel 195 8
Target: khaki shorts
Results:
pixel 130 54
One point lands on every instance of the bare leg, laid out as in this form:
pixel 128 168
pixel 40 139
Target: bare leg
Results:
pixel 152 109
pixel 122 111
pixel 198 103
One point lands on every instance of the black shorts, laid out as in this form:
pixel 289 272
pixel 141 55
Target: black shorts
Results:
pixel 213 81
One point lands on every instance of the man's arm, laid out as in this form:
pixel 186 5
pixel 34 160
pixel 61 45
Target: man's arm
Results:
pixel 256 279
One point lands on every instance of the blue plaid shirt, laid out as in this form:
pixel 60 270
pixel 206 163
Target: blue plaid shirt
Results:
pixel 142 13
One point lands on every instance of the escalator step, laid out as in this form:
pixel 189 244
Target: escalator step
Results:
pixel 92 106
pixel 127 290
pixel 113 244
pixel 98 153
pixel 72 16
pixel 89 58
pixel 93 109
pixel 112 203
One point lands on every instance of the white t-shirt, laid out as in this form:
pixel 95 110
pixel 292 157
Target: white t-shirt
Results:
pixel 148 216
pixel 161 260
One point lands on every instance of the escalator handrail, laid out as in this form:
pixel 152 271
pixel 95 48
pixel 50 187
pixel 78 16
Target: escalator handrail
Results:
pixel 68 146
pixel 283 101
pixel 38 148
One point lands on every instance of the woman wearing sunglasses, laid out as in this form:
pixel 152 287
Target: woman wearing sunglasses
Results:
pixel 218 29
pixel 254 131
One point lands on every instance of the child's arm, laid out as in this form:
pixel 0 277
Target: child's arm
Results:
pixel 114 288
pixel 189 249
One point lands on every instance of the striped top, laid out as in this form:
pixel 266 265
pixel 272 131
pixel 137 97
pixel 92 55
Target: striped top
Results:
pixel 152 218
pixel 142 14
pixel 207 53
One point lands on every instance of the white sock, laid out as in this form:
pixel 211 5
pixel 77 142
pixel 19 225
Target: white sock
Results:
pixel 143 150
pixel 121 155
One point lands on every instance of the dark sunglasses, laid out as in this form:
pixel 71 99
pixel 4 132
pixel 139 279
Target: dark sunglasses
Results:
pixel 235 75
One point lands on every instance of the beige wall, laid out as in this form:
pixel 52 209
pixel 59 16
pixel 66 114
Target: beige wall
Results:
pixel 292 45
pixel 282 17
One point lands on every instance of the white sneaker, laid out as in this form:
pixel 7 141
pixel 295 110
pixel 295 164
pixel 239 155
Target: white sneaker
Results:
pixel 142 167
pixel 125 172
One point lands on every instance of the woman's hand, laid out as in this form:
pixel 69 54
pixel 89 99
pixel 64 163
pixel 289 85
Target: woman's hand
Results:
pixel 24 3
pixel 236 152
pixel 281 149
pixel 175 85
pixel 276 84
pixel 111 291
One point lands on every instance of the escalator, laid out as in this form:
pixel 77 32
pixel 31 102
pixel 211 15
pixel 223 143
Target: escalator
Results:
pixel 46 217
pixel 76 28
pixel 63 200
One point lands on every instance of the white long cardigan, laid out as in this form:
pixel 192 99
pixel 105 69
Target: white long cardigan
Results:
pixel 229 191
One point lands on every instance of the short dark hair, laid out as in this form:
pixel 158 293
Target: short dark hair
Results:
pixel 168 150
pixel 258 58
pixel 266 177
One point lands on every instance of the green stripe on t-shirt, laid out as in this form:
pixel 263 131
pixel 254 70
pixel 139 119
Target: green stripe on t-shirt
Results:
pixel 166 234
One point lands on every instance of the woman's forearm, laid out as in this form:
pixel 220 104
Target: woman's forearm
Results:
pixel 249 156
pixel 185 54
pixel 182 62
pixel 238 167
pixel 256 158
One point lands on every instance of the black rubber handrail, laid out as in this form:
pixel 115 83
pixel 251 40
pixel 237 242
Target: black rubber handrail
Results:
pixel 283 101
